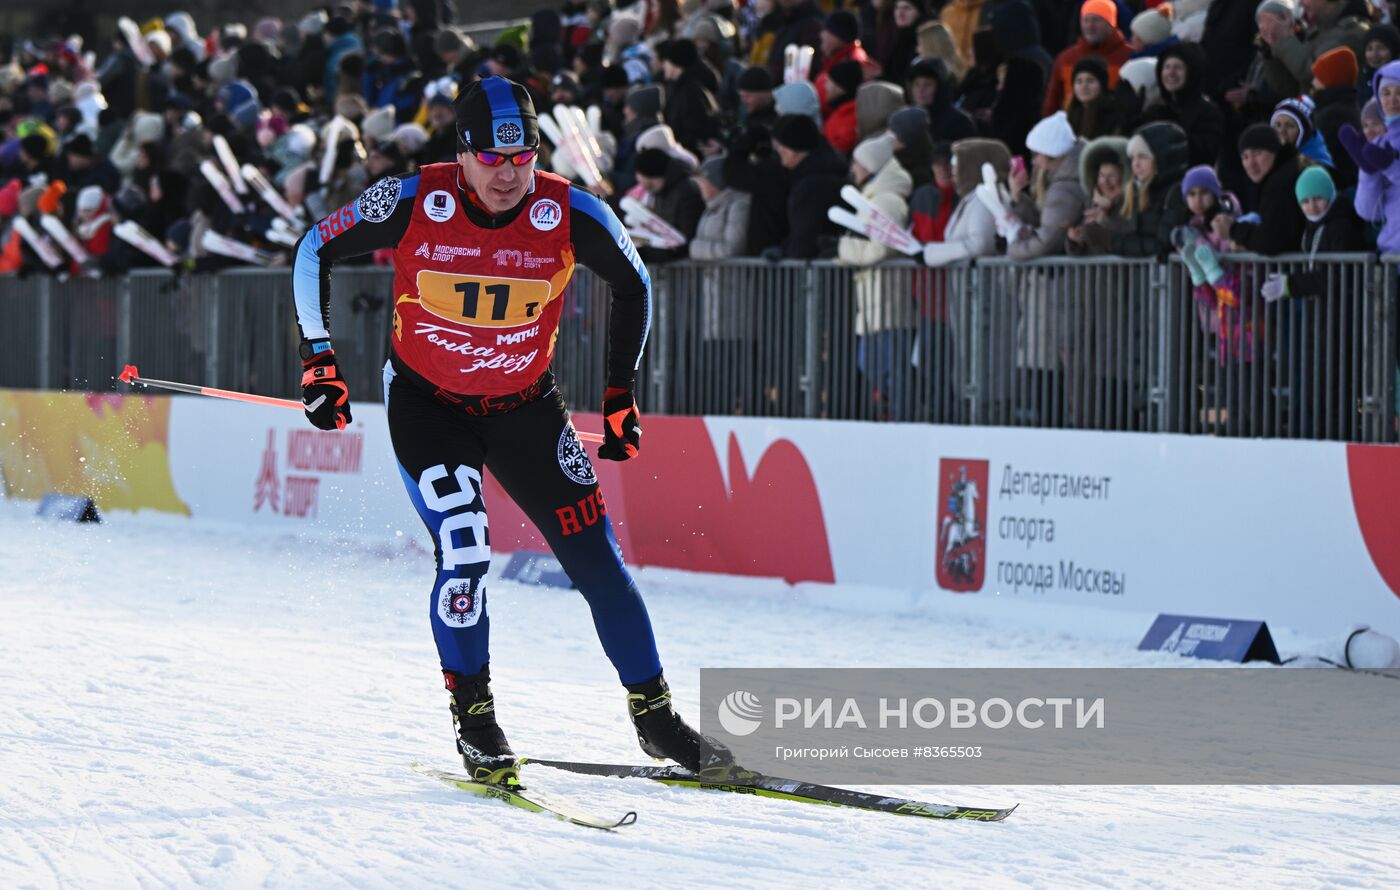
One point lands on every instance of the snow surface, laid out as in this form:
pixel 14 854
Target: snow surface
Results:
pixel 185 704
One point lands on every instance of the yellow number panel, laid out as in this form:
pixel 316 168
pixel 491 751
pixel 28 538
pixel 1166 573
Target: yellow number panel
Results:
pixel 481 300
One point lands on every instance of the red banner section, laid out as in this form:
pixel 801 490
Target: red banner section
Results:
pixel 1374 471
pixel 672 507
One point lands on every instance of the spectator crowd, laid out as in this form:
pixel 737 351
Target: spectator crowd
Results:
pixel 1024 128
pixel 1098 120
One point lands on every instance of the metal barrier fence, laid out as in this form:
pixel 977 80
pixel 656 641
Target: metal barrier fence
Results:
pixel 1109 344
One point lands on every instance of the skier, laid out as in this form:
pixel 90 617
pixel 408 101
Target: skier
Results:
pixel 483 250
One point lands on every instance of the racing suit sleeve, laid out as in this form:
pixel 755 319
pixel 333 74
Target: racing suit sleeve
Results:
pixel 376 219
pixel 603 245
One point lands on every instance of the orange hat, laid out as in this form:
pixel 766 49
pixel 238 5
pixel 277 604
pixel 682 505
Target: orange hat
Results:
pixel 1104 9
pixel 48 201
pixel 1336 68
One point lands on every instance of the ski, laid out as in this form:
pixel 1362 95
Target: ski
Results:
pixel 526 799
pixel 782 789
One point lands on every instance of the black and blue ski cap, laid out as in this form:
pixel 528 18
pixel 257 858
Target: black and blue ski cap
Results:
pixel 496 113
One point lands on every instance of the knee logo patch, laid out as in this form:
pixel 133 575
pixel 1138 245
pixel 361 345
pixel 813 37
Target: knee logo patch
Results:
pixel 460 602
pixel 573 460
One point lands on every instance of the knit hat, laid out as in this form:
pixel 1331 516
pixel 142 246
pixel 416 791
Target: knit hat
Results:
pixel 652 162
pixel 1314 182
pixel 35 145
pixel 681 53
pixel 497 113
pixel 1152 26
pixel 378 124
pixel 798 98
pixel 1202 177
pixel 410 137
pixel 875 152
pixel 80 145
pixel 1260 136
pixel 843 25
pixel 797 131
pixel 1336 68
pixel 713 170
pixel 1371 111
pixel 755 79
pixel 1104 9
pixel 1052 136
pixel 1298 109
pixel 1277 7
pixel 910 125
pixel 847 75
pixel 90 197
pixel 645 101
pixel 1094 65
pixel 565 80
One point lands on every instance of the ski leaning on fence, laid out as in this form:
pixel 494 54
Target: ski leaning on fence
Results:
pixel 783 789
pixel 527 799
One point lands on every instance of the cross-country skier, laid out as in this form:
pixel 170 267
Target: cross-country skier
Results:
pixel 483 251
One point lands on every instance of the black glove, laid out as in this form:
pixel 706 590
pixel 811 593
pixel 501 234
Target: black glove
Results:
pixel 622 425
pixel 323 390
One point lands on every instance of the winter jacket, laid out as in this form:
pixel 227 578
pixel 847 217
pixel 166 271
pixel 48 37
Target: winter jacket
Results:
pixel 1063 207
pixel 1378 201
pixel 723 229
pixel 1229 28
pixel 1295 53
pixel 851 52
pixel 1339 231
pixel 888 189
pixel 1281 221
pixel 1149 230
pixel 971 224
pixel 1201 118
pixel 962 18
pixel 752 166
pixel 946 122
pixel 691 110
pixel 393 83
pixel 840 126
pixel 1018 30
pixel 816 188
pixel 1017 107
pixel 1098 237
pixel 1114 51
pixel 1335 107
pixel 678 203
pixel 930 208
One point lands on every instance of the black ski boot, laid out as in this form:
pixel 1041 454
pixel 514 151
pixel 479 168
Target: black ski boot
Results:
pixel 483 746
pixel 664 735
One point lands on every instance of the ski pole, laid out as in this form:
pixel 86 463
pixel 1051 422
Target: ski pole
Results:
pixel 131 375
